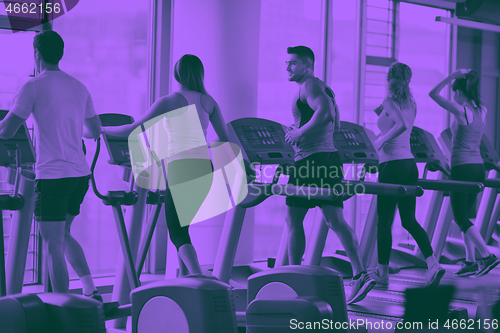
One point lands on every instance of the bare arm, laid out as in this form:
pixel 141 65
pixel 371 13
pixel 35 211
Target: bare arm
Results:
pixel 20 111
pixel 401 124
pixel 158 108
pixel 92 129
pixel 450 106
pixel 9 125
pixel 337 118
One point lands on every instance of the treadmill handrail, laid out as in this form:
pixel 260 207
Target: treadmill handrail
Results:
pixel 393 190
pixel 492 182
pixel 414 191
pixel 92 167
pixel 19 170
pixel 125 198
pixel 258 192
pixel 451 185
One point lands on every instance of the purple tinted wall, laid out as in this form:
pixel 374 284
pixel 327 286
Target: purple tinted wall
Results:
pixel 342 56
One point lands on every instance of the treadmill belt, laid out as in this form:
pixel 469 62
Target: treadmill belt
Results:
pixel 389 303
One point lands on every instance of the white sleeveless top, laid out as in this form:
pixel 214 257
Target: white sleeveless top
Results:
pixel 399 147
pixel 187 129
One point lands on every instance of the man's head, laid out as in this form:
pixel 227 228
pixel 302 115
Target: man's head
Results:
pixel 300 62
pixel 48 47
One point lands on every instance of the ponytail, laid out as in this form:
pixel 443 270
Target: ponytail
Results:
pixel 399 77
pixel 472 88
pixel 469 86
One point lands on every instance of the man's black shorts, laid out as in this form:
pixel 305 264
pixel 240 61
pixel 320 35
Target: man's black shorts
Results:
pixel 316 170
pixel 54 198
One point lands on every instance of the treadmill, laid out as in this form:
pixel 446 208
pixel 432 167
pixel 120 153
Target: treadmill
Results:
pixel 389 304
pixel 17 195
pixel 426 150
pixel 354 142
pixel 188 304
pixel 262 143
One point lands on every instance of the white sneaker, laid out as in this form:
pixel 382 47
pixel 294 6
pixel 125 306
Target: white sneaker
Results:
pixel 487 264
pixel 360 288
pixel 434 275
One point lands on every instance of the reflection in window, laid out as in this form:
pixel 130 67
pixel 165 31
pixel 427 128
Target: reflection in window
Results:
pixel 342 60
pixel 106 49
pixel 379 28
pixel 17 64
pixel 423 45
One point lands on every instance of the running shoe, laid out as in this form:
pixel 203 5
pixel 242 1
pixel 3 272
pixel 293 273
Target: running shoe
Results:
pixel 487 264
pixel 468 268
pixel 434 275
pixel 360 288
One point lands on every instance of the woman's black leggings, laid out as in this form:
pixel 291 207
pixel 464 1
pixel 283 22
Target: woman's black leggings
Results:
pixel 190 195
pixel 401 172
pixel 462 202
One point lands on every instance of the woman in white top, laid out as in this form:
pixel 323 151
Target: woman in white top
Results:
pixel 397 166
pixel 186 114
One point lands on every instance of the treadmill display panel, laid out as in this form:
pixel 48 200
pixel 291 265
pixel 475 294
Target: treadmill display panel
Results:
pixel 489 154
pixel 419 143
pixel 262 137
pixel 347 139
pixel 483 149
pixel 20 141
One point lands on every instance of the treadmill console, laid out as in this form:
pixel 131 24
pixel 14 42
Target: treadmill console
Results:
pixel 489 154
pixel 262 141
pixel 260 137
pixel 354 144
pixel 118 148
pixel 22 141
pixel 425 148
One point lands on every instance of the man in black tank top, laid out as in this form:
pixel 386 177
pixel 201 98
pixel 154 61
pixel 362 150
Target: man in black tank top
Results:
pixel 317 164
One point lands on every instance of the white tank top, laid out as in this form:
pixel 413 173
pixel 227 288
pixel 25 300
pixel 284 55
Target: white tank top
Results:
pixel 399 147
pixel 187 129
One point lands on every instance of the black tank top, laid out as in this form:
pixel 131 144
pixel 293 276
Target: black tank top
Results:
pixel 322 139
